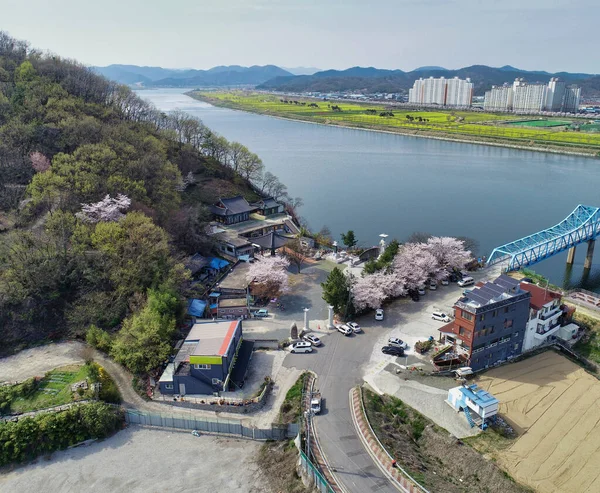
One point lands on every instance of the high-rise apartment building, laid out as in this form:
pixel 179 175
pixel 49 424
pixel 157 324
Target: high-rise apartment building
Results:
pixel 499 98
pixel 529 97
pixel 571 99
pixel 555 95
pixel 442 91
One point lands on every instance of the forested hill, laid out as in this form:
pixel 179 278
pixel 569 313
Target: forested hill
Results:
pixel 102 197
pixel 372 80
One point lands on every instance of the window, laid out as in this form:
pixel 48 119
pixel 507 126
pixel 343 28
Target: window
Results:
pixel 495 313
pixel 202 367
pixel 461 331
pixel 508 323
pixel 216 381
pixel 505 309
pixel 492 330
pixel 516 347
pixel 466 315
pixel 482 317
pixel 169 386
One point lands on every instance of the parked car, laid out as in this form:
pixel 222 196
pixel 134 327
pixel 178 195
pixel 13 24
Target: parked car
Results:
pixel 444 282
pixel 344 329
pixel 421 290
pixel 527 279
pixel 394 341
pixel 315 403
pixel 440 316
pixel 466 292
pixel 355 327
pixel 414 294
pixel 392 350
pixel 301 347
pixel 263 312
pixel 466 281
pixel 313 339
pixel 379 314
pixel 454 277
pixel 433 285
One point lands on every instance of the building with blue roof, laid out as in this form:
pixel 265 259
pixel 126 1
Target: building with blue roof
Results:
pixel 477 404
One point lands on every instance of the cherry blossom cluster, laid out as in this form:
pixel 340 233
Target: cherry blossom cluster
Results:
pixel 108 209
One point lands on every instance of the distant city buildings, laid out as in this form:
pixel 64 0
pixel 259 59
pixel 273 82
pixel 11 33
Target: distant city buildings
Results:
pixel 441 91
pixel 523 97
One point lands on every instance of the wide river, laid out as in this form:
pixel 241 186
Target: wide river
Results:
pixel 375 183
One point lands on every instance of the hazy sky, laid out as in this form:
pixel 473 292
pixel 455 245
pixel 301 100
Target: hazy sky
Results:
pixel 551 35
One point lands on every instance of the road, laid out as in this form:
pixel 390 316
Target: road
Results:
pixel 339 366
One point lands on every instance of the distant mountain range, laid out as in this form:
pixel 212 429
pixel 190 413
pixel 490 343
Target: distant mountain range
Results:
pixel 302 70
pixel 373 80
pixel 232 75
pixel 358 79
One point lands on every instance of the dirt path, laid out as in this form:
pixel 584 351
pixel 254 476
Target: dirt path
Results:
pixel 37 361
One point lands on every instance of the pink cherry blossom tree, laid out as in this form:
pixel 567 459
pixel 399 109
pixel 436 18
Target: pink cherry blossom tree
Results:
pixel 268 276
pixel 108 209
pixel 414 264
pixel 39 162
pixel 449 252
pixel 367 293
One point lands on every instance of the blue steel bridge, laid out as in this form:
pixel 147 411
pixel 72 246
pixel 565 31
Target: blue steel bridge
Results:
pixel 582 225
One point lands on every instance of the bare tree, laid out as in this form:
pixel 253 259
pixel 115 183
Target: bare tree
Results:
pixel 296 252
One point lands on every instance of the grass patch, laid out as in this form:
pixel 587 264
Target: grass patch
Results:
pixel 589 345
pixel 291 408
pixel 453 124
pixel 432 456
pixel 54 389
pixel 278 460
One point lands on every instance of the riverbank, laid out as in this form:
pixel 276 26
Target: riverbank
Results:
pixel 463 127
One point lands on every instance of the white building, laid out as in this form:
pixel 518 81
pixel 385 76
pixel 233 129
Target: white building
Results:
pixel 528 97
pixel 571 99
pixel 459 92
pixel 499 98
pixel 441 91
pixel 544 312
pixel 555 95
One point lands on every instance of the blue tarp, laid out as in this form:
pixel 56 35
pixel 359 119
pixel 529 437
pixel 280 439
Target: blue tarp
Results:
pixel 213 306
pixel 218 263
pixel 196 308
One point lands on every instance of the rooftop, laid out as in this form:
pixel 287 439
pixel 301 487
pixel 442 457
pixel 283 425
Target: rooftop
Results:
pixel 236 278
pixel 209 339
pixel 478 396
pixel 503 288
pixel 231 302
pixel 271 240
pixel 539 296
pixel 233 205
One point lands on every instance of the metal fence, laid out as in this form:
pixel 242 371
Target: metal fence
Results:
pixel 215 426
pixel 311 470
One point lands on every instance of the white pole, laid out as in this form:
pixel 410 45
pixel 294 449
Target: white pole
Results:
pixel 306 319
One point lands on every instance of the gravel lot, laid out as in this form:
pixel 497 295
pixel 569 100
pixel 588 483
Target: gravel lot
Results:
pixel 145 460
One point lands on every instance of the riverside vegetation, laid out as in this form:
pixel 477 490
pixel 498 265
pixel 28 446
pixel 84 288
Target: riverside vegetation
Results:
pixel 454 125
pixel 102 198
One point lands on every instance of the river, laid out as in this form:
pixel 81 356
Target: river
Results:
pixel 374 182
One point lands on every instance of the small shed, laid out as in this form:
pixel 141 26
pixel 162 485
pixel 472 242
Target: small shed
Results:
pixel 196 308
pixel 471 399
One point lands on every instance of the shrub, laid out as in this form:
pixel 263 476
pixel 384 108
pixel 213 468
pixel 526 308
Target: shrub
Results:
pixel 98 338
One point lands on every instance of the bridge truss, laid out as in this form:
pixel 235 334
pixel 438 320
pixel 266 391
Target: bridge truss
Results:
pixel 583 224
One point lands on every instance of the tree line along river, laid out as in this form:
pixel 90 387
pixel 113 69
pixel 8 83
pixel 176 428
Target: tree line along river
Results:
pixel 375 182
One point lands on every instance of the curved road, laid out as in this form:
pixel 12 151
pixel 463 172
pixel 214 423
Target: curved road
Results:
pixel 338 364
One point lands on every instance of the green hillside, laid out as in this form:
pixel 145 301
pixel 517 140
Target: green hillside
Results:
pixel 69 137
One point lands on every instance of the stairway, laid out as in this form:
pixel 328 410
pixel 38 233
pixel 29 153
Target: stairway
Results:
pixel 469 417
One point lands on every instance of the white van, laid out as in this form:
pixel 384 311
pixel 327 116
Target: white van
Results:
pixel 466 281
pixel 301 347
pixel 440 316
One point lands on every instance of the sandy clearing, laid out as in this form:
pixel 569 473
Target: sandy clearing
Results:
pixel 145 460
pixel 554 404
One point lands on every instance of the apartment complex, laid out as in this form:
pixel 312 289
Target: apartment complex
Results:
pixel 441 91
pixel 489 324
pixel 523 97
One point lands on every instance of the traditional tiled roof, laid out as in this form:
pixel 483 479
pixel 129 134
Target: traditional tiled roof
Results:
pixel 539 296
pixel 233 205
pixel 271 240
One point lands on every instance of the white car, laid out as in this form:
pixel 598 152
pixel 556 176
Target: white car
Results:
pixel 444 282
pixel 394 341
pixel 440 316
pixel 301 347
pixel 379 314
pixel 355 327
pixel 314 340
pixel 344 329
pixel 421 290
pixel 432 285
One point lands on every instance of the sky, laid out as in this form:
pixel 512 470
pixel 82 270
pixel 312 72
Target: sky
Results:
pixel 552 35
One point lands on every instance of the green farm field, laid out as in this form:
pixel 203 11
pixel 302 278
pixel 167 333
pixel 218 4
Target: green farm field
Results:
pixel 458 125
